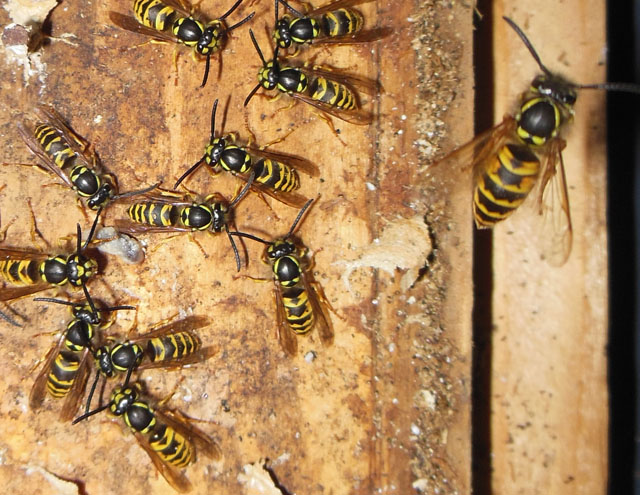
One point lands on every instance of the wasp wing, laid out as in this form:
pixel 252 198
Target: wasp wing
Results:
pixel 72 401
pixel 131 24
pixel 316 297
pixel 302 164
pixel 555 233
pixel 176 478
pixel 356 116
pixel 338 4
pixel 39 389
pixel 186 324
pixel 46 163
pixel 365 85
pixel 179 422
pixel 286 336
pixel 366 36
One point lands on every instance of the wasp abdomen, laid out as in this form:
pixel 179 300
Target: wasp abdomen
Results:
pixel 63 374
pixel 332 93
pixel 170 347
pixel 20 272
pixel 171 446
pixel 298 309
pixel 156 214
pixel 341 22
pixel 154 14
pixel 276 175
pixel 54 145
pixel 505 183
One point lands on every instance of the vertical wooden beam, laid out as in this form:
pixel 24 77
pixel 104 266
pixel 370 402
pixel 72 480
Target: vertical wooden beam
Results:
pixel 549 390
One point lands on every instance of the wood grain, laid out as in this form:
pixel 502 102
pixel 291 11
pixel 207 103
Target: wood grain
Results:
pixel 386 409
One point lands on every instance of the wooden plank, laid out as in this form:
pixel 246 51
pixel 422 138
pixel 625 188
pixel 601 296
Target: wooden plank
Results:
pixel 549 391
pixel 386 409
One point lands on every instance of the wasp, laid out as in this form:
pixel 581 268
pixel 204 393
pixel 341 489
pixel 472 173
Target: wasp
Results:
pixel 65 154
pixel 168 344
pixel 299 298
pixel 32 271
pixel 523 155
pixel 180 213
pixel 166 436
pixel 335 23
pixel 167 20
pixel 67 364
pixel 274 174
pixel 332 92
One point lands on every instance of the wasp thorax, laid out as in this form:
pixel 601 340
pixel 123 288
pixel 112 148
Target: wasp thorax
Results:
pixel 79 334
pixel 188 30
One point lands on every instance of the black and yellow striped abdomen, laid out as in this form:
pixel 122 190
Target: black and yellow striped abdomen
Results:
pixel 276 175
pixel 341 22
pixel 171 446
pixel 298 309
pixel 156 214
pixel 63 373
pixel 173 346
pixel 20 272
pixel 332 93
pixel 504 184
pixel 54 145
pixel 154 14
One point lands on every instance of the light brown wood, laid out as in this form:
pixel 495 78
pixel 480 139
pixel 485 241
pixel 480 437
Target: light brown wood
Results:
pixel 549 391
pixel 385 409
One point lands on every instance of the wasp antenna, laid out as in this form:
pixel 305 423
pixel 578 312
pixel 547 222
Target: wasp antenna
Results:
pixel 138 192
pixel 213 119
pixel 250 236
pixel 89 300
pixel 91 392
pixel 623 87
pixel 253 92
pixel 91 413
pixel 255 43
pixel 238 24
pixel 13 322
pixel 206 70
pixel 188 172
pixel 91 232
pixel 235 250
pixel 528 44
pixel 296 12
pixel 230 11
pixel 244 191
pixel 53 300
pixel 299 217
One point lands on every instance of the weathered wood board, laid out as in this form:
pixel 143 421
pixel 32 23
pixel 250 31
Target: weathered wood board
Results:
pixel 386 408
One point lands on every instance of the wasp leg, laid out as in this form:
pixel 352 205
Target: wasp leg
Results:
pixel 168 397
pixel 327 119
pixel 197 243
pixel 34 228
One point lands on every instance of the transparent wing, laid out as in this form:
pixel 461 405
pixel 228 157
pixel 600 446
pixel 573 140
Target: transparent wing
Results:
pixel 555 233
pixel 362 84
pixel 179 422
pixel 357 116
pixel 286 337
pixel 322 320
pixel 39 389
pixel 289 198
pixel 338 4
pixel 296 162
pixel 131 24
pixel 194 358
pixel 11 293
pixel 165 327
pixel 175 477
pixel 134 228
pixel 72 401
pixel 366 36
pixel 45 163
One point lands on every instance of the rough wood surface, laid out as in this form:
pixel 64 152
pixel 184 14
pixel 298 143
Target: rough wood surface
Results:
pixel 386 409
pixel 549 390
